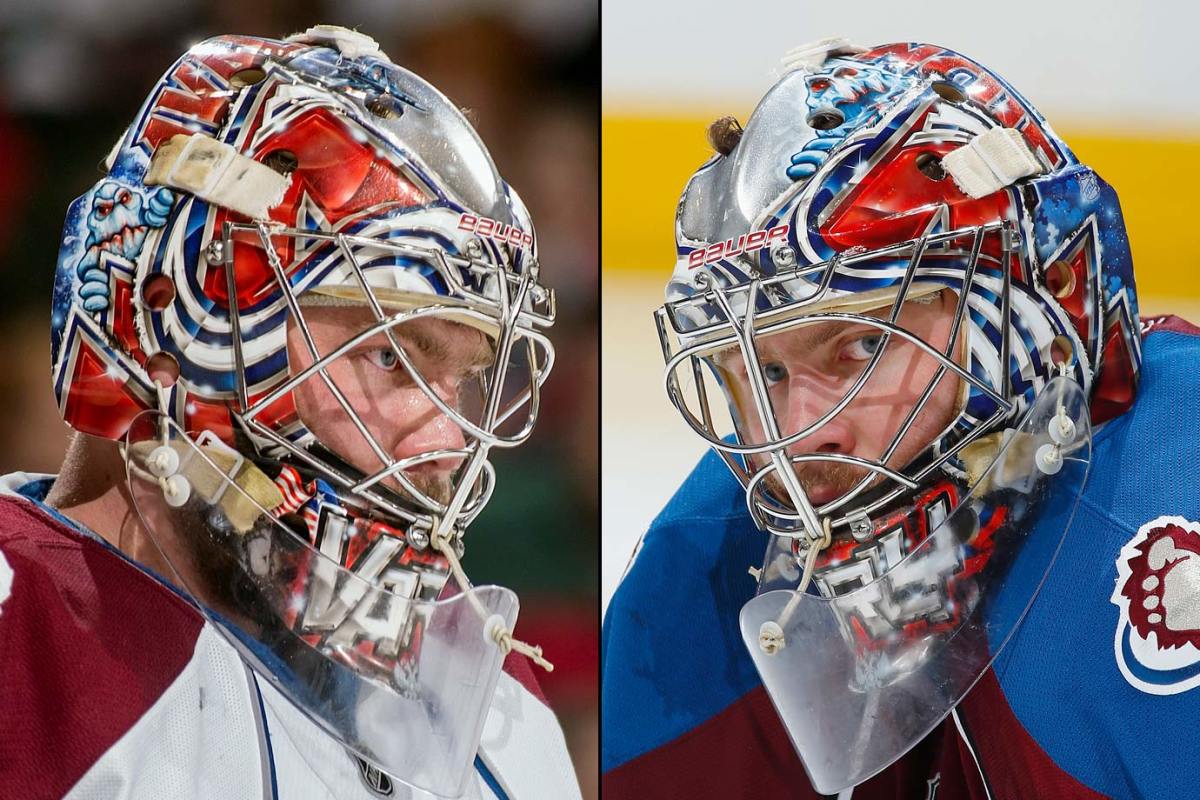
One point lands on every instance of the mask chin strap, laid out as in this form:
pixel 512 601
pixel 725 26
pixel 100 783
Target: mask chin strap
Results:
pixel 205 469
pixel 444 533
pixel 444 536
pixel 770 633
pixel 817 529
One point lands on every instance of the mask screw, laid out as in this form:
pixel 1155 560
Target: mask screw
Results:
pixel 770 637
pixel 176 490
pixel 215 252
pixel 538 294
pixel 860 528
pixel 163 462
pixel 1062 429
pixel 492 627
pixel 1010 239
pixel 385 106
pixel 783 256
pixel 1049 458
pixel 418 538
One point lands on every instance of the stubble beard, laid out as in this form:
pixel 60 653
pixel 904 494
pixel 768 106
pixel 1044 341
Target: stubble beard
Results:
pixel 831 478
pixel 437 486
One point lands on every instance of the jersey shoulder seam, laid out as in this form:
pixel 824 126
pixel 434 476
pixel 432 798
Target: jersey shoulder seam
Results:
pixel 75 541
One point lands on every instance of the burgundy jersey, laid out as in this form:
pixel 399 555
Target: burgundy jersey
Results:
pixel 1096 695
pixel 116 687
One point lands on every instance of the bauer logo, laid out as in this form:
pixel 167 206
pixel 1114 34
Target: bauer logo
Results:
pixel 746 243
pixel 1157 643
pixel 495 230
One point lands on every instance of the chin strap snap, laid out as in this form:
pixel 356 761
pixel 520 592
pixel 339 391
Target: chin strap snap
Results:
pixel 495 630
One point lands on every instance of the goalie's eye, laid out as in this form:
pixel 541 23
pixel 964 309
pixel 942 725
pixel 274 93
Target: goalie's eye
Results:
pixel 775 372
pixel 863 347
pixel 385 358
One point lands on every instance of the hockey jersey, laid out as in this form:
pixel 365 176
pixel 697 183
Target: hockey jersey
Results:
pixel 1095 696
pixel 115 688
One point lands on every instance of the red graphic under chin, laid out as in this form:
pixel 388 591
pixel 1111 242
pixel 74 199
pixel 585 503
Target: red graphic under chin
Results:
pixel 1153 620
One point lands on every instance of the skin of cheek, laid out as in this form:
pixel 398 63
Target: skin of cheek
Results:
pixel 874 416
pixel 877 414
pixel 878 419
pixel 402 419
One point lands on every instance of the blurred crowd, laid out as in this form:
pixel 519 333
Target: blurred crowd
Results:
pixel 74 72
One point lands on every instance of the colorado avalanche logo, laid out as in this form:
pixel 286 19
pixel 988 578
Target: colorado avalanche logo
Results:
pixel 1158 593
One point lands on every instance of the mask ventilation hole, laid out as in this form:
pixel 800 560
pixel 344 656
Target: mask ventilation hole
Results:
pixel 157 292
pixel 282 161
pixel 1062 351
pixel 1060 279
pixel 931 167
pixel 724 134
pixel 384 106
pixel 825 119
pixel 163 368
pixel 949 92
pixel 246 77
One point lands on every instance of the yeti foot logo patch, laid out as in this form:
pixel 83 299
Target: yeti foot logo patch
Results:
pixel 1158 593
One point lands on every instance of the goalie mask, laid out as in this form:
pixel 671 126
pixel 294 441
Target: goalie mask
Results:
pixel 308 306
pixel 899 304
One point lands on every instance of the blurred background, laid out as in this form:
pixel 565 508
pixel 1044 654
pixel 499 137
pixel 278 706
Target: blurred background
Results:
pixel 1113 77
pixel 74 72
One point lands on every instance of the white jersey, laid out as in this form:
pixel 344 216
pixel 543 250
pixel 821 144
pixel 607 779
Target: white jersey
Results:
pixel 151 701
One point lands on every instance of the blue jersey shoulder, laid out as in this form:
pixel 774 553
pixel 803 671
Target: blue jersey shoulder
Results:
pixel 672 652
pixel 709 492
pixel 1146 459
pixel 1063 672
pixel 673 655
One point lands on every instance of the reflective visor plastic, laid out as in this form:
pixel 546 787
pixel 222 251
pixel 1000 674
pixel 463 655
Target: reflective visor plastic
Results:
pixel 860 677
pixel 353 622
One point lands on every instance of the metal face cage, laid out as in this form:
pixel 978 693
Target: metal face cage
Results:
pixel 481 294
pixel 720 317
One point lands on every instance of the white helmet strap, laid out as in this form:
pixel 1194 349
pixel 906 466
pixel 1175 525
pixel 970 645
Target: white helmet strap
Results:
pixel 217 173
pixel 992 160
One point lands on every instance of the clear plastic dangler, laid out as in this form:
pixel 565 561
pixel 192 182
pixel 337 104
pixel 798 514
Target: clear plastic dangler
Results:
pixel 859 677
pixel 357 624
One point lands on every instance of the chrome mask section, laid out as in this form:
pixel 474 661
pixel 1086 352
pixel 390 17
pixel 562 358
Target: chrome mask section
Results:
pixel 727 197
pixel 756 309
pixel 513 305
pixel 425 126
